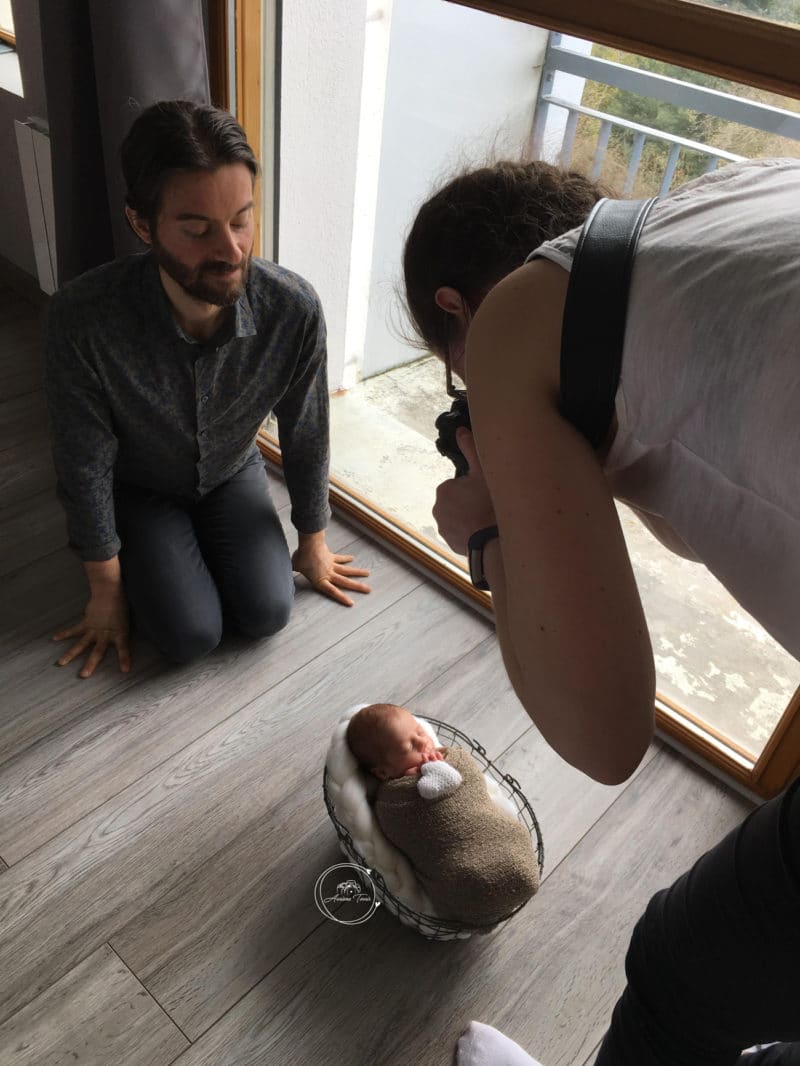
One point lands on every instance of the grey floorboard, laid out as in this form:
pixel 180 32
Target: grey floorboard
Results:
pixel 41 697
pixel 23 418
pixel 26 469
pixel 565 801
pixel 96 1014
pixel 201 947
pixel 40 597
pixel 21 363
pixel 593 1056
pixel 22 340
pixel 20 380
pixel 30 529
pixel 476 697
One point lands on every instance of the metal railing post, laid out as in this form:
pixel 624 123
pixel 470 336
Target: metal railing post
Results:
pixel 535 145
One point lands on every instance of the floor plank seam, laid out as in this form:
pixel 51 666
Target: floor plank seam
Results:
pixel 593 1054
pixel 37 560
pixel 492 757
pixel 35 496
pixel 86 712
pixel 37 635
pixel 491 637
pixel 35 437
pixel 25 392
pixel 31 439
pixel 154 998
pixel 471 651
pixel 255 984
pixel 658 758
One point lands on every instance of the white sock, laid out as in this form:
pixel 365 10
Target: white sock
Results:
pixel 481 1045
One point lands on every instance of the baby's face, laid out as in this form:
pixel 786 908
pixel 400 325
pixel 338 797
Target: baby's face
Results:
pixel 406 746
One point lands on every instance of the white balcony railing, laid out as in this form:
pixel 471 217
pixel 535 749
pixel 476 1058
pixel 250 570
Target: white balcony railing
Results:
pixel 561 59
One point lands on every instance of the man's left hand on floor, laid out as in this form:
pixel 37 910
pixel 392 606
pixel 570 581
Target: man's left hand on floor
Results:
pixel 327 572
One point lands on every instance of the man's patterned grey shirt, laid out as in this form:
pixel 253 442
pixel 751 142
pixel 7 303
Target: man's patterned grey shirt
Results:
pixel 133 398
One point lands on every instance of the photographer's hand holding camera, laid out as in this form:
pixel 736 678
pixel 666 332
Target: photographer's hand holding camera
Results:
pixel 463 504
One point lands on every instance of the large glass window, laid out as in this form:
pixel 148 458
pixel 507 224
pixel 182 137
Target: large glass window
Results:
pixel 6 22
pixel 415 90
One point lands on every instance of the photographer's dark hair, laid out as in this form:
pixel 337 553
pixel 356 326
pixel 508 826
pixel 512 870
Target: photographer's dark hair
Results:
pixel 178 135
pixel 481 226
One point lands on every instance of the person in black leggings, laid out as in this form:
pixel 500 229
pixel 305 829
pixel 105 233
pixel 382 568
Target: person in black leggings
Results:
pixel 713 962
pixel 712 965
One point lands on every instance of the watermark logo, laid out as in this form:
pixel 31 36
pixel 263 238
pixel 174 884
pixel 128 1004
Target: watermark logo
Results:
pixel 345 894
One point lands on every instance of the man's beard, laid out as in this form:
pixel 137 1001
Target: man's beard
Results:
pixel 211 283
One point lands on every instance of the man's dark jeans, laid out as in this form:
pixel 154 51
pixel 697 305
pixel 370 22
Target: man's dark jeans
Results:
pixel 189 567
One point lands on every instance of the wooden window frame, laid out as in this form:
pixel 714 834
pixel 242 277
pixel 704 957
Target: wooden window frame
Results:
pixel 8 36
pixel 248 74
pixel 748 50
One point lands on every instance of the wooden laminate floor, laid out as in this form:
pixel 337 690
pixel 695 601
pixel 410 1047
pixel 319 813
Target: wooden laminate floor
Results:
pixel 161 833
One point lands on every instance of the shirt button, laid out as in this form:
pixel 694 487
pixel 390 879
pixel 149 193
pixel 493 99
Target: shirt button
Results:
pixel 205 398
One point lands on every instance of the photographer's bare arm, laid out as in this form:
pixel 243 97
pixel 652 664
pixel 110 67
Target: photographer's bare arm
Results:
pixel 569 619
pixel 105 620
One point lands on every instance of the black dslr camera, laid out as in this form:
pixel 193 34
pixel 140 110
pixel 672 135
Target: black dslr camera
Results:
pixel 447 423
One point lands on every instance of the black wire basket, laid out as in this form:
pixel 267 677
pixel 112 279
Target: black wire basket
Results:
pixel 430 926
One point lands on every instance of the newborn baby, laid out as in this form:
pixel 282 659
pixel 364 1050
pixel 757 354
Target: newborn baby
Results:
pixel 476 862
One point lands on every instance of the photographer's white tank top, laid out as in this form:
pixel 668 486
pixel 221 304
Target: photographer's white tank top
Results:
pixel 708 406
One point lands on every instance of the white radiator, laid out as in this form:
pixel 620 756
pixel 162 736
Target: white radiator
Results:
pixel 37 175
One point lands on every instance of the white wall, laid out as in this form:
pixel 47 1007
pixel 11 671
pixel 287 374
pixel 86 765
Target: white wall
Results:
pixel 322 59
pixel 377 43
pixel 367 132
pixel 461 85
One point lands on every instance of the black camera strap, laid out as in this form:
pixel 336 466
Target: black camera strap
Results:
pixel 593 330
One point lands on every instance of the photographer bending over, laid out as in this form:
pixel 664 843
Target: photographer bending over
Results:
pixel 704 445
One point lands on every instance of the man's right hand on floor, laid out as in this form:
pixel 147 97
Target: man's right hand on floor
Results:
pixel 104 624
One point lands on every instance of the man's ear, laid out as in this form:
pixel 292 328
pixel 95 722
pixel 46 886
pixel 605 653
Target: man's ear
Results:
pixel 140 226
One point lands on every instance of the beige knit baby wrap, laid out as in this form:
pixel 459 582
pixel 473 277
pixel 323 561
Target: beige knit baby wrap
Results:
pixel 475 862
